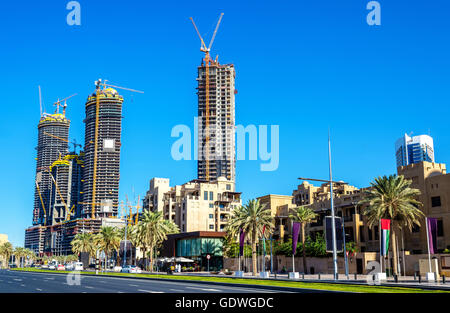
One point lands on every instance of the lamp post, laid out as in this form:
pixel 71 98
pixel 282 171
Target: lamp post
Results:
pixel 333 221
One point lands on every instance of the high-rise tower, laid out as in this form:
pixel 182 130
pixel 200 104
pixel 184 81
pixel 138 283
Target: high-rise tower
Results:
pixel 53 137
pixel 101 173
pixel 216 120
pixel 216 129
pixel 409 150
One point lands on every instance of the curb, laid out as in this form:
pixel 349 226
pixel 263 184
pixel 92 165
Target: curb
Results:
pixel 290 289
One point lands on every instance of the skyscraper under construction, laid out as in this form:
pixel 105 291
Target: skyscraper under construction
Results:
pixel 101 174
pixel 216 119
pixel 53 137
pixel 217 128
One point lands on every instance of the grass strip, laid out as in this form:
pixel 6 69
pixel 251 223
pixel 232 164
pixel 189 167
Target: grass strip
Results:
pixel 291 284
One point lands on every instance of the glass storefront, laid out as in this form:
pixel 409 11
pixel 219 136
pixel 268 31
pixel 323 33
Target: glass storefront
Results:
pixel 198 248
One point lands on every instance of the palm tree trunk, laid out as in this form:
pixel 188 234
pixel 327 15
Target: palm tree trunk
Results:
pixel 254 253
pixel 394 250
pixel 151 259
pixel 305 269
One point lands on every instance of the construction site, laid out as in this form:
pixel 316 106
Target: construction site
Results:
pixel 79 191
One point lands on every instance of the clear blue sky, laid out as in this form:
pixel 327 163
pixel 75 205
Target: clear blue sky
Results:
pixel 303 65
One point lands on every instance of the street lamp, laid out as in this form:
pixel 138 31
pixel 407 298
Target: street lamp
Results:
pixel 333 220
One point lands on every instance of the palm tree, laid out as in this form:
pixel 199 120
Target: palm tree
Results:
pixel 392 198
pixel 6 250
pixel 153 230
pixel 108 240
pixel 304 215
pixel 19 253
pixel 83 243
pixel 251 218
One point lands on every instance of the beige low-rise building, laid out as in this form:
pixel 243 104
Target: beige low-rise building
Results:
pixel 280 206
pixel 434 184
pixel 194 206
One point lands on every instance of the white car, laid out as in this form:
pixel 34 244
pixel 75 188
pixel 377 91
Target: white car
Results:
pixel 131 269
pixel 52 267
pixel 70 267
pixel 78 266
pixel 117 268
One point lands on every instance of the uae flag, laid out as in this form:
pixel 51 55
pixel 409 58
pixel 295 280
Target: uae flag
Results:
pixel 385 230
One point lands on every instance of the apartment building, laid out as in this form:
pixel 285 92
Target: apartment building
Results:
pixel 198 205
pixel 434 184
pixel 280 207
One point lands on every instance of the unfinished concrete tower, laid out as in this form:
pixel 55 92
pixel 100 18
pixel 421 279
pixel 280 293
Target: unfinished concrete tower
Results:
pixel 216 128
pixel 53 138
pixel 101 172
pixel 65 195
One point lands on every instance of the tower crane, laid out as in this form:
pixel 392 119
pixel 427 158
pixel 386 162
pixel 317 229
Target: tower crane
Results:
pixel 207 61
pixel 58 104
pixel 99 83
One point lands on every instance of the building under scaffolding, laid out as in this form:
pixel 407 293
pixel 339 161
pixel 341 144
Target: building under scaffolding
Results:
pixel 65 200
pixel 216 128
pixel 101 178
pixel 53 135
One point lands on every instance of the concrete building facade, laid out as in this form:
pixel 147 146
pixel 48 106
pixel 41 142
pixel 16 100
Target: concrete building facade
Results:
pixel 194 206
pixel 101 179
pixel 216 128
pixel 53 137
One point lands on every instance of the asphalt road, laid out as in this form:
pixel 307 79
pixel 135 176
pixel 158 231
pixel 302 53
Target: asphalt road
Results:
pixel 26 282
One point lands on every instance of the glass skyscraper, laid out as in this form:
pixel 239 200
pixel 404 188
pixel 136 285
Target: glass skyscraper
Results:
pixel 414 149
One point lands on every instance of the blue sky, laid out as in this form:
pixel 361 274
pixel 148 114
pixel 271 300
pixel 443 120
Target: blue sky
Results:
pixel 304 65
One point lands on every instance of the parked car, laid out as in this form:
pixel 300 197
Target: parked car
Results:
pixel 70 267
pixel 117 268
pixel 44 266
pixel 12 265
pixel 52 267
pixel 61 267
pixel 131 269
pixel 78 266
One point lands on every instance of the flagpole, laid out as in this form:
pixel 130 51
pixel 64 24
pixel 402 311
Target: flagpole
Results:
pixel 404 257
pixel 381 247
pixel 428 243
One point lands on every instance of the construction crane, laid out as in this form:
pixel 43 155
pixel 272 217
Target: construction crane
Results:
pixel 137 211
pixel 73 142
pixel 207 60
pixel 98 84
pixel 130 218
pixel 42 202
pixel 58 104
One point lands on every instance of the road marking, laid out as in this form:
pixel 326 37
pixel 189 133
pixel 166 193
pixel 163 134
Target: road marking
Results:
pixel 22 285
pixel 176 290
pixel 16 279
pixel 38 289
pixel 89 287
pixel 133 285
pixel 150 291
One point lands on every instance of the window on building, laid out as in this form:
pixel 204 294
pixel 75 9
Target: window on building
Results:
pixel 205 195
pixel 228 187
pixel 211 205
pixel 211 227
pixel 435 201
pixel 211 215
pixel 211 195
pixel 377 233
pixel 361 233
pixel 440 228
pixel 415 228
pixel 370 234
pixel 183 217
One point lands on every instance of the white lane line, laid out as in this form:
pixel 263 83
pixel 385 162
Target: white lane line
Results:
pixel 89 287
pixel 16 279
pixel 149 291
pixel 133 285
pixel 176 290
pixel 22 285
pixel 38 289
